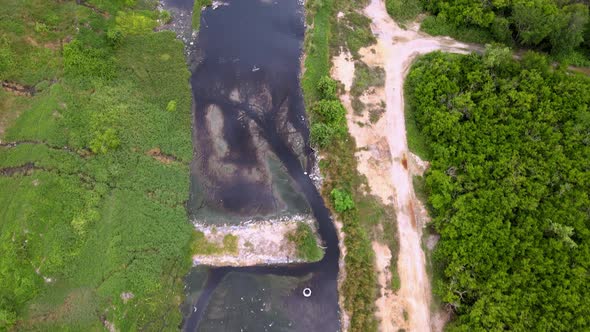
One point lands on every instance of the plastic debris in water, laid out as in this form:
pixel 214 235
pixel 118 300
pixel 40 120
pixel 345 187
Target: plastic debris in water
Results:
pixel 307 292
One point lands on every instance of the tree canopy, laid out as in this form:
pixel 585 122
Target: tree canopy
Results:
pixel 559 26
pixel 508 188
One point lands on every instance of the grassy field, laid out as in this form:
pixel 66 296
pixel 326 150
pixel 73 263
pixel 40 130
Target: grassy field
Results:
pixel 88 214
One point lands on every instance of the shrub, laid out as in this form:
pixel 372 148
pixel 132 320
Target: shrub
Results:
pixel 83 62
pixel 501 30
pixel 171 107
pixel 342 200
pixel 165 16
pixel 114 37
pixel 330 111
pixel 134 23
pixel 321 134
pixel 403 10
pixel 202 246
pixel 328 88
pixel 104 142
pixel 496 56
pixel 305 240
pixel 230 243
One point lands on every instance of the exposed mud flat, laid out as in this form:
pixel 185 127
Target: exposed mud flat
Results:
pixel 18 89
pixel 259 243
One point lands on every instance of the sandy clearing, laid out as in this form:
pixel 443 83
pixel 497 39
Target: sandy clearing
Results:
pixel 390 310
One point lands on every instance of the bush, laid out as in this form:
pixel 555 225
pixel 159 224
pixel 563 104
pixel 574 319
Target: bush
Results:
pixel 171 107
pixel 500 29
pixel 328 88
pixel 366 77
pixel 330 111
pixel 132 23
pixel 165 16
pixel 440 26
pixel 321 134
pixel 230 243
pixel 306 242
pixel 403 10
pixel 114 37
pixel 342 200
pixel 85 63
pixel 104 142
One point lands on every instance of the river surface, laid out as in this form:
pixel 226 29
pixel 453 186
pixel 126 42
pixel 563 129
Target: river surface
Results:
pixel 252 160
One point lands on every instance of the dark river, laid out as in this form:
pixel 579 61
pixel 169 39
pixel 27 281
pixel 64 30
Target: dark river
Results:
pixel 252 160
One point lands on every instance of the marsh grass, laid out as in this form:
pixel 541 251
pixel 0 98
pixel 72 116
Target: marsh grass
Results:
pixel 97 225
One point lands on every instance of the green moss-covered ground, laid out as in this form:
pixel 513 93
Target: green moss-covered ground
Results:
pixel 94 216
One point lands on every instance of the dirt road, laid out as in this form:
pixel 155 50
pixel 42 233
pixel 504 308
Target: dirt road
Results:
pixel 398 48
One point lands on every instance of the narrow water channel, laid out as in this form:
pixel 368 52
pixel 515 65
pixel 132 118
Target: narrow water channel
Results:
pixel 252 160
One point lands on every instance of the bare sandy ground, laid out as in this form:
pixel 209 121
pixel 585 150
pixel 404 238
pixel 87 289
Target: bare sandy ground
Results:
pixel 385 160
pixel 262 242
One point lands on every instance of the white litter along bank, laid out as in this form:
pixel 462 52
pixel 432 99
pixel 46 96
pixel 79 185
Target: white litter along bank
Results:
pixel 259 242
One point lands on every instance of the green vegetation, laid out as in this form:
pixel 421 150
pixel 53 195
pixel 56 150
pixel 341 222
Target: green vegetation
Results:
pixel 508 188
pixel 317 50
pixel 306 242
pixel 342 200
pixel 202 246
pixel 559 27
pixel 87 215
pixel 365 77
pixel 367 219
pixel 197 9
pixel 403 10
pixel 440 26
pixel 353 31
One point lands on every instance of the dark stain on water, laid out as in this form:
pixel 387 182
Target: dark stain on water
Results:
pixel 248 108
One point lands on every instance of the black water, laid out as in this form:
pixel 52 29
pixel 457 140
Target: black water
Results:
pixel 247 109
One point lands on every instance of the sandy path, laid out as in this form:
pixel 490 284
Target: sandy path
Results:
pixel 397 48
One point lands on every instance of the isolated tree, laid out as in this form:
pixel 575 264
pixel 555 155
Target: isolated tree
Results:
pixel 535 20
pixel 573 21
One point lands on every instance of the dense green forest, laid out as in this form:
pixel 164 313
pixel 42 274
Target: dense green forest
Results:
pixel 509 145
pixel 95 132
pixel 560 27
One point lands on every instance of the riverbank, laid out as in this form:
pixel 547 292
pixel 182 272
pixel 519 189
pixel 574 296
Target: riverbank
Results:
pixel 367 219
